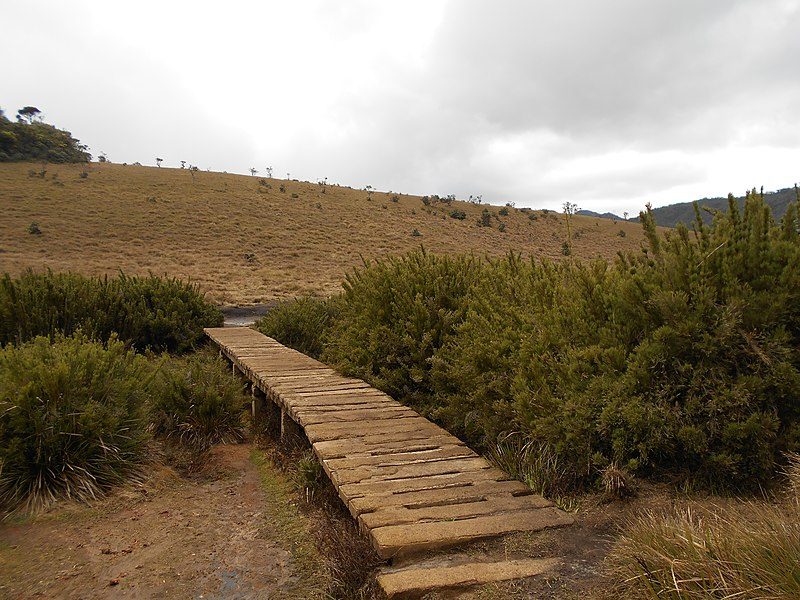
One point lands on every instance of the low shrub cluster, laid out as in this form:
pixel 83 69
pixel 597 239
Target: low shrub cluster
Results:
pixel 197 401
pixel 682 360
pixel 36 140
pixel 301 323
pixel 160 314
pixel 77 415
pixel 72 419
pixel 394 316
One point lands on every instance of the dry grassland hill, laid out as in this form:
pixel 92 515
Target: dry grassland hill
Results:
pixel 248 240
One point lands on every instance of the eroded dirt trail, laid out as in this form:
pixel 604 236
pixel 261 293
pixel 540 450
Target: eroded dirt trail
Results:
pixel 171 538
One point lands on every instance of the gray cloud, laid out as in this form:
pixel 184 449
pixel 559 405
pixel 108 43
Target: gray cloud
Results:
pixel 608 103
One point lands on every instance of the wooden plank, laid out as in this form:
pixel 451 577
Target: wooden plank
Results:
pixel 416 581
pixel 465 492
pixel 400 515
pixel 400 540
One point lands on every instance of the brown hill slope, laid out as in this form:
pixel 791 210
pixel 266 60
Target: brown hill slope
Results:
pixel 244 241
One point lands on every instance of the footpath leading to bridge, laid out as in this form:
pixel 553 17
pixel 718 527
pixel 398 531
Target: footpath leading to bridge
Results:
pixel 413 487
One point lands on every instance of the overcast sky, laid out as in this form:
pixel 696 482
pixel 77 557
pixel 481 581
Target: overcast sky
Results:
pixel 606 104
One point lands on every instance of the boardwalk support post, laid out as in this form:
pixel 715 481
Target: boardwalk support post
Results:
pixel 291 433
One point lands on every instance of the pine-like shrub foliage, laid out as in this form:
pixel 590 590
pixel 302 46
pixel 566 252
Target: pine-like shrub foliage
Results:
pixel 682 360
pixel 71 419
pixel 197 401
pixel 394 317
pixel 160 314
pixel 300 323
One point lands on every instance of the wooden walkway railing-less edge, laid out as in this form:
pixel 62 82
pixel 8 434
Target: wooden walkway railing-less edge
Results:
pixel 412 486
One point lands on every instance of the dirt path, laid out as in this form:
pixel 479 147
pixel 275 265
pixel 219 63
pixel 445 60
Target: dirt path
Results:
pixel 169 538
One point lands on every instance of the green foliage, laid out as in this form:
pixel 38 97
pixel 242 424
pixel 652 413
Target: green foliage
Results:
pixel 679 360
pixel 38 141
pixel 34 229
pixel 197 401
pixel 485 219
pixel 503 212
pixel 394 317
pixel 71 419
pixel 154 313
pixel 301 323
pixel 458 214
pixel 309 474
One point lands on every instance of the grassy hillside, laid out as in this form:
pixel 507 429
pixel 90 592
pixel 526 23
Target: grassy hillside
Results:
pixel 244 241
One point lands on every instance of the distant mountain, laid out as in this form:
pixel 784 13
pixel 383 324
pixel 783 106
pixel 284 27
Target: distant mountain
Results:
pixel 670 216
pixel 606 215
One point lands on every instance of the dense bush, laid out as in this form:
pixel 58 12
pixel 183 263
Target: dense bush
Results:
pixel 683 359
pixel 301 323
pixel 151 312
pixel 71 419
pixel 38 141
pixel 197 401
pixel 394 317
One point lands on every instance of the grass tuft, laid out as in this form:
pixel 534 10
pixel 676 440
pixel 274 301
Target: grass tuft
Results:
pixel 750 552
pixel 71 420
pixel 197 401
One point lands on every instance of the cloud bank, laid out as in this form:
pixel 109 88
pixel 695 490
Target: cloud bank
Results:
pixel 606 104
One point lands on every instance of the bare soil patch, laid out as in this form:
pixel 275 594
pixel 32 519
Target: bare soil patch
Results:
pixel 172 537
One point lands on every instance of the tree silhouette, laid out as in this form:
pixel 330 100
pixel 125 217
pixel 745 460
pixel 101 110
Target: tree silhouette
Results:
pixel 570 208
pixel 159 161
pixel 29 114
pixel 253 171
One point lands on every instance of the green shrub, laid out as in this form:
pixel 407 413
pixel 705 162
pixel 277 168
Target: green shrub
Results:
pixel 151 312
pixel 394 316
pixel 503 212
pixel 301 323
pixel 39 141
pixel 681 360
pixel 458 214
pixel 71 419
pixel 197 401
pixel 486 218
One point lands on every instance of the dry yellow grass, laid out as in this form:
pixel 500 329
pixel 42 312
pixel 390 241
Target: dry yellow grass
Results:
pixel 245 243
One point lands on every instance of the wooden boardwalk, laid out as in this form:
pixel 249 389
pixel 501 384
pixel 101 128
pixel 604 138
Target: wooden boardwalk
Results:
pixel 412 486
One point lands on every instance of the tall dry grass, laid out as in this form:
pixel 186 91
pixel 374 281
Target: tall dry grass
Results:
pixel 747 551
pixel 244 242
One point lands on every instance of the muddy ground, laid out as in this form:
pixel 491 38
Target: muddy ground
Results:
pixel 171 537
pixel 242 528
